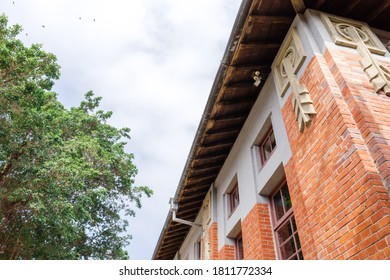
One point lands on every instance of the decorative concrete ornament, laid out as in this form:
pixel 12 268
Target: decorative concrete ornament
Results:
pixel 358 35
pixel 287 64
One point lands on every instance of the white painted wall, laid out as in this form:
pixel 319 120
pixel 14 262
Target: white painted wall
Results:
pixel 187 250
pixel 242 163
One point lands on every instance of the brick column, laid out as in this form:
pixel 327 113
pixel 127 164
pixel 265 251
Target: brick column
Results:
pixel 257 234
pixel 213 236
pixel 340 165
pixel 226 253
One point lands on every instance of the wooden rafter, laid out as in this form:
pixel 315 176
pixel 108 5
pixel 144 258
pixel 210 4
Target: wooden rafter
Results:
pixel 299 6
pixel 371 16
pixel 271 19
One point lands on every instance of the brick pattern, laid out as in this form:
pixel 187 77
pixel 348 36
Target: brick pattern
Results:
pixel 213 236
pixel 257 234
pixel 227 253
pixel 339 170
pixel 371 111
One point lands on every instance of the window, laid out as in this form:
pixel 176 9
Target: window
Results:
pixel 198 250
pixel 239 250
pixel 234 199
pixel 285 228
pixel 267 146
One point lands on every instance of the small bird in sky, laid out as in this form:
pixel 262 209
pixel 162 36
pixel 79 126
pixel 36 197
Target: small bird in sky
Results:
pixel 43 26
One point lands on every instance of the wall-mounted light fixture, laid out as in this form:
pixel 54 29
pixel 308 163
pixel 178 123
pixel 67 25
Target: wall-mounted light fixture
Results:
pixel 257 78
pixel 174 209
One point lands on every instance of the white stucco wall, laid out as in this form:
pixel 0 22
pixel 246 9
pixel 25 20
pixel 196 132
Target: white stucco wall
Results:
pixel 242 163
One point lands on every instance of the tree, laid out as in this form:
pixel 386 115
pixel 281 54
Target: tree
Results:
pixel 66 182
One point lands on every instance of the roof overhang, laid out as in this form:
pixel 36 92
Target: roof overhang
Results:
pixel 257 34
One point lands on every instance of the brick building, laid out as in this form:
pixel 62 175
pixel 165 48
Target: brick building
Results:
pixel 291 159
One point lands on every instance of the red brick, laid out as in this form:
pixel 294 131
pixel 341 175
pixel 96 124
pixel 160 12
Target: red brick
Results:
pixel 213 238
pixel 338 165
pixel 257 234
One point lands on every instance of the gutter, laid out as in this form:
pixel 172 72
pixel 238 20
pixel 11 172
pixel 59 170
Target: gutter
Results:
pixel 218 81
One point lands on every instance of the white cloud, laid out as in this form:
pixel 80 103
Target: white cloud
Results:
pixel 153 62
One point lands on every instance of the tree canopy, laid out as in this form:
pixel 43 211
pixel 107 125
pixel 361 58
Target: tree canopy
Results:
pixel 66 181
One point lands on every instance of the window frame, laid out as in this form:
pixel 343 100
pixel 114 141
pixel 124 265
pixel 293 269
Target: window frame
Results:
pixel 232 201
pixel 238 250
pixel 266 139
pixel 286 218
pixel 198 250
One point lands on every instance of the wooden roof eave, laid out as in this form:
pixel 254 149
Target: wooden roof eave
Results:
pixel 200 134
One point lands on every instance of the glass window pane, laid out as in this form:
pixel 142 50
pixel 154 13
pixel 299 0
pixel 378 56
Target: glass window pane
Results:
pixel 286 198
pixel 267 150
pixel 273 141
pixel 287 249
pixel 278 206
pixel 298 242
pixel 240 249
pixel 234 199
pixel 286 240
pixel 285 232
pixel 294 225
pixel 285 229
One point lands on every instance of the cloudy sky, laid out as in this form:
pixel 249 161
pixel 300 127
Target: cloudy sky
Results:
pixel 152 61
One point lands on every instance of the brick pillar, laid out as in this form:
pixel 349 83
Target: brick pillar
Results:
pixel 226 253
pixel 371 111
pixel 213 236
pixel 257 234
pixel 339 171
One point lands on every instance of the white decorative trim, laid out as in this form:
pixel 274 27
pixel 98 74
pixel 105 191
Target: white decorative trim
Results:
pixel 293 50
pixel 206 218
pixel 358 35
pixel 338 29
pixel 287 64
pixel 206 210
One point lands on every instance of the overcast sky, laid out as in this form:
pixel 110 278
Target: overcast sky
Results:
pixel 153 62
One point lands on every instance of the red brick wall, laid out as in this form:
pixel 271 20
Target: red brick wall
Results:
pixel 226 253
pixel 257 234
pixel 213 237
pixel 370 110
pixel 339 170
